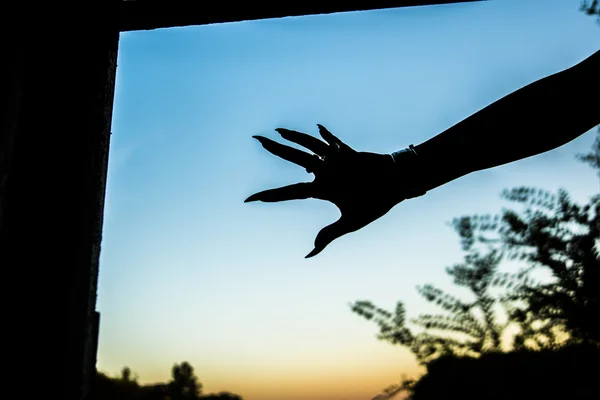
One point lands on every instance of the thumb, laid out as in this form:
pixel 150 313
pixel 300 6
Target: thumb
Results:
pixel 328 234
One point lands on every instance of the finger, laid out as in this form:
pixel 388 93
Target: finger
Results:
pixel 297 191
pixel 311 143
pixel 332 139
pixel 328 234
pixel 288 153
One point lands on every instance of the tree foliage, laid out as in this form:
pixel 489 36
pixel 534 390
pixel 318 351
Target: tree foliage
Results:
pixel 545 231
pixel 550 232
pixel 591 7
pixel 184 384
pixel 593 158
pixel 405 386
pixel 463 328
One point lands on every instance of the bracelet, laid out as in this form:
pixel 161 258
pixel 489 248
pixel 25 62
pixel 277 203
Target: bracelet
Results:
pixel 409 149
pixel 411 187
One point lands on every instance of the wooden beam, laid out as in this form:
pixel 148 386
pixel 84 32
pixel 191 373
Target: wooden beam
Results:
pixel 154 14
pixel 55 119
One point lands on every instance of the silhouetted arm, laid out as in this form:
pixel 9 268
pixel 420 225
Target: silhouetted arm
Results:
pixel 541 116
pixel 365 186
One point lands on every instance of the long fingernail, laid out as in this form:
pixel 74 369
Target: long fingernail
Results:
pixel 313 253
pixel 283 132
pixel 259 138
pixel 252 198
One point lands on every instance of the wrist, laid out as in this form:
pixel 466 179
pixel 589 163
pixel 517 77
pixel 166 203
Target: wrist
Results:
pixel 410 151
pixel 408 171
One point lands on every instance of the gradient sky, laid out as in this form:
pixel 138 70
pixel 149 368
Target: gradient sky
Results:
pixel 190 272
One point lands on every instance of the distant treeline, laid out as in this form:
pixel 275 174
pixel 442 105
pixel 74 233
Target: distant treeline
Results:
pixel 184 385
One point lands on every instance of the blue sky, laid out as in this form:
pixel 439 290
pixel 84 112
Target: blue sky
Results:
pixel 190 272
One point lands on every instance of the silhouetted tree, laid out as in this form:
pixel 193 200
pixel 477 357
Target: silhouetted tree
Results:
pixel 563 237
pixel 127 376
pixel 551 232
pixel 566 373
pixel 222 396
pixel 184 384
pixel 405 386
pixel 473 325
pixel 123 387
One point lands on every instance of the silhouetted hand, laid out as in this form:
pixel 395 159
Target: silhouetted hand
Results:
pixel 364 186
